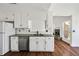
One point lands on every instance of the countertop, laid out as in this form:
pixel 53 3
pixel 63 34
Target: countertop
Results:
pixel 33 35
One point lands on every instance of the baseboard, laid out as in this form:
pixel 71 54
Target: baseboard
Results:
pixel 65 42
pixel 5 53
pixel 74 45
pixel 41 51
pixel 0 52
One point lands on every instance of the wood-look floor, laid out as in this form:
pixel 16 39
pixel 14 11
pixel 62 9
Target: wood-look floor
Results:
pixel 61 49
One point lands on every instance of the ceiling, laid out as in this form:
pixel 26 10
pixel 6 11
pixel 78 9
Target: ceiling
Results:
pixel 25 6
pixel 64 9
pixel 58 9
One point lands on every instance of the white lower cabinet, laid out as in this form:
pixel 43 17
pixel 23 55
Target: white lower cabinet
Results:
pixel 49 44
pixel 14 44
pixel 41 44
pixel 32 44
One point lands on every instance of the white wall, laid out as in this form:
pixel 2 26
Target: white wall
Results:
pixel 75 26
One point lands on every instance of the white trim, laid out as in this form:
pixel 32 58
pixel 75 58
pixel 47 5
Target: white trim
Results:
pixel 74 45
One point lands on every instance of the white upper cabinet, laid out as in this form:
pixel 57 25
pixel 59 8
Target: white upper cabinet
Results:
pixel 17 21
pixel 38 25
pixel 30 20
pixel 24 20
pixel 21 21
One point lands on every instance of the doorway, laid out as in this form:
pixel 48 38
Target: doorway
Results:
pixel 63 28
pixel 67 31
pixel 57 33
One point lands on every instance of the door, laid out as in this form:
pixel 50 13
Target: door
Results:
pixel 57 33
pixel 66 26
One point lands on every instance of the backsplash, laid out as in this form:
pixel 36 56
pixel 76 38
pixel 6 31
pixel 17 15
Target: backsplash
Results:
pixel 23 31
pixel 27 31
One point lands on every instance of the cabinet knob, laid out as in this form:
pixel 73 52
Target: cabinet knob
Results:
pixel 17 42
pixel 45 42
pixel 20 25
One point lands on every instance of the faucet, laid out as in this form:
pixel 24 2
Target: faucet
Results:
pixel 37 32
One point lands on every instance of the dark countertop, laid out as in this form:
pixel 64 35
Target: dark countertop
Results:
pixel 33 35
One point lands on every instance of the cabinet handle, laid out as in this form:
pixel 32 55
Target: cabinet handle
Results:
pixel 45 42
pixel 36 42
pixel 16 42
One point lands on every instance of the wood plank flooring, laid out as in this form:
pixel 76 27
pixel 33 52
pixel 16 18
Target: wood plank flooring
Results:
pixel 61 49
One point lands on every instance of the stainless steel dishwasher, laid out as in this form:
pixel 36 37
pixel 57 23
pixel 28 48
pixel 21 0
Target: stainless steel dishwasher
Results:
pixel 23 43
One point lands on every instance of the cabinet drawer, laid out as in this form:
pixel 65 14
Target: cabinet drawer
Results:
pixel 34 37
pixel 14 37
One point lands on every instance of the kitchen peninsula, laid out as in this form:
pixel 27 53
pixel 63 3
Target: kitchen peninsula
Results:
pixel 32 42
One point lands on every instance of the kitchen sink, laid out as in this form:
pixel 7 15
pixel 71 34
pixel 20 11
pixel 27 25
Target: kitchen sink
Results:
pixel 38 34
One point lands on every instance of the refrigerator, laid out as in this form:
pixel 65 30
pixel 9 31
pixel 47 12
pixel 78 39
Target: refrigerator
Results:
pixel 6 29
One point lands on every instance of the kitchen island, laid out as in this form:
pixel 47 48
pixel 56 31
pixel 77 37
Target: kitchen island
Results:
pixel 32 42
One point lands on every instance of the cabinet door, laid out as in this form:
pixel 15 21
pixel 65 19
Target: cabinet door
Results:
pixel 21 21
pixel 17 21
pixel 41 44
pixel 14 43
pixel 49 43
pixel 24 21
pixel 32 44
